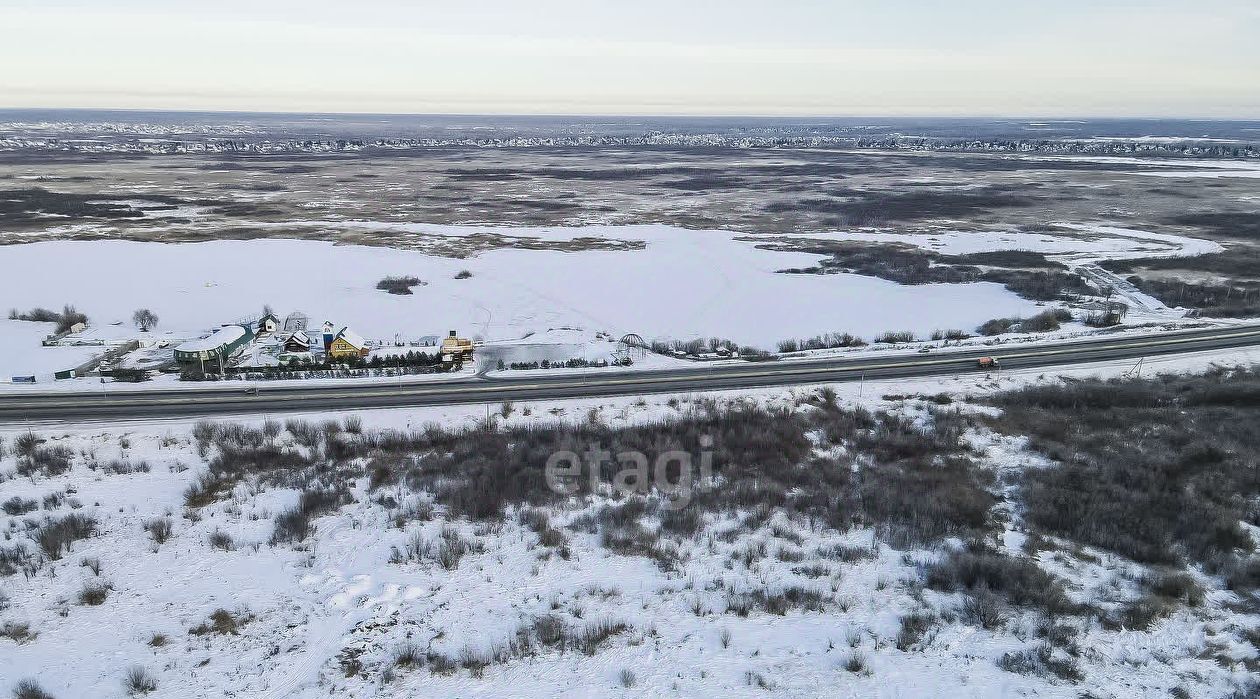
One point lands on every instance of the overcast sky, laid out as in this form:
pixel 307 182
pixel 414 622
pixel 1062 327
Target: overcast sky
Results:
pixel 816 57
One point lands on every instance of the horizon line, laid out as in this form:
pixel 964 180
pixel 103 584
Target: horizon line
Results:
pixel 663 115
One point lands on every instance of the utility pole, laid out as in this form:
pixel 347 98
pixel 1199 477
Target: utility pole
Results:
pixel 1135 370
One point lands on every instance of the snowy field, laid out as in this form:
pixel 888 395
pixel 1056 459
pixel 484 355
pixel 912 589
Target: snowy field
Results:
pixel 1090 242
pixel 677 284
pixel 682 284
pixel 24 355
pixel 331 616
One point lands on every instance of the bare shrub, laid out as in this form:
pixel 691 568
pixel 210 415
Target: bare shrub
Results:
pixel 16 506
pixel 724 637
pixel 921 486
pixel 983 609
pixel 479 473
pixel 16 557
pixel 551 631
pixel 626 677
pixel 221 540
pixel 589 638
pixel 1046 321
pixel 1240 573
pixel 913 628
pixel 1150 469
pixel 1020 581
pixel 159 529
pixel 93 593
pixel 304 433
pixel 399 285
pixel 756 679
pixel 997 326
pixel 683 522
pixel 848 554
pixel 452 547
pixel 271 429
pixel 139 680
pixel 222 621
pixel 294 525
pixel 45 460
pixel 778 602
pixel 855 662
pixel 1040 660
pixel 952 335
pixel 895 337
pixel 1140 614
pixel 17 631
pixel 1179 586
pixel 440 664
pixel 204 490
pixel 26 443
pixel 69 318
pixel 408 655
pixel 29 689
pixel 56 536
pixel 158 640
pixel 540 523
pixel 93 564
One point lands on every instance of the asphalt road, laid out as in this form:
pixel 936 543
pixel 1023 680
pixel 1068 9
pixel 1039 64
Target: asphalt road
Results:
pixel 278 397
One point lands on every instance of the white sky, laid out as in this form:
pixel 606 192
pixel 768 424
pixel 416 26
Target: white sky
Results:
pixel 821 57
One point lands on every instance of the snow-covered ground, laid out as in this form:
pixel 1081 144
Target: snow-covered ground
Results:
pixel 1088 242
pixel 678 284
pixel 682 284
pixel 23 354
pixel 307 611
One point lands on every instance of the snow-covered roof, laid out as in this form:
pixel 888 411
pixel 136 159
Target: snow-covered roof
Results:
pixel 352 337
pixel 299 335
pixel 225 335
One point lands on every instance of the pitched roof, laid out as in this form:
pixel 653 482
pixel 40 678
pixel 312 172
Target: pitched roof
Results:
pixel 352 337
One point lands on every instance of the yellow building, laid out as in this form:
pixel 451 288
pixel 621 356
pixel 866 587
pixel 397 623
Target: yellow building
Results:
pixel 456 348
pixel 347 343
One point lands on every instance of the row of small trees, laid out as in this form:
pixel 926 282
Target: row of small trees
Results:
pixel 569 364
pixel 71 316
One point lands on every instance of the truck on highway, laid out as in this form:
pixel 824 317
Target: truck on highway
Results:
pixel 988 363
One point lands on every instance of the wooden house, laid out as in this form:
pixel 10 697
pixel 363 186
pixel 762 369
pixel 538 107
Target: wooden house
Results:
pixel 268 324
pixel 297 342
pixel 347 343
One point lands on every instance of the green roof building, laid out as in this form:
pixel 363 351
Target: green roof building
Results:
pixel 224 342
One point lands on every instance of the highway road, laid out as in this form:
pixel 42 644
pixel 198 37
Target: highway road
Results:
pixel 278 397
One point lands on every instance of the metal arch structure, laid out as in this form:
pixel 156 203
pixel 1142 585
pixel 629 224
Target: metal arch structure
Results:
pixel 632 346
